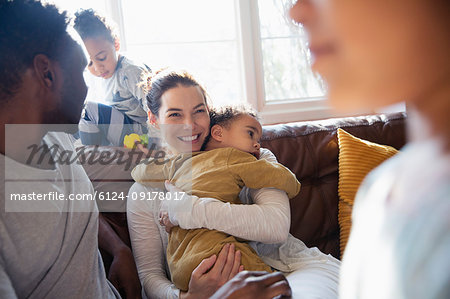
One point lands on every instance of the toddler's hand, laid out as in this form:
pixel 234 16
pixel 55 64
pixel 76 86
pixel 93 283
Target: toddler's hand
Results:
pixel 165 221
pixel 142 148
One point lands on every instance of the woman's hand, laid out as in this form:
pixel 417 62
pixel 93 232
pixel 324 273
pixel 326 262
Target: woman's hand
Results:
pixel 255 285
pixel 214 272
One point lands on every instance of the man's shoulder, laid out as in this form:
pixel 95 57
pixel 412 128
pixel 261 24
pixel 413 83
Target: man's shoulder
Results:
pixel 61 139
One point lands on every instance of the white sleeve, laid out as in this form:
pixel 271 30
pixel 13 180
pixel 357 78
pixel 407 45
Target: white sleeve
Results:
pixel 266 154
pixel 147 244
pixel 267 220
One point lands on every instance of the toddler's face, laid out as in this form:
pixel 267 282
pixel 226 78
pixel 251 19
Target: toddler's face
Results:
pixel 103 57
pixel 243 134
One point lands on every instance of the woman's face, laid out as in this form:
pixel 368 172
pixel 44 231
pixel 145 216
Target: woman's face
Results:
pixel 376 53
pixel 103 57
pixel 184 118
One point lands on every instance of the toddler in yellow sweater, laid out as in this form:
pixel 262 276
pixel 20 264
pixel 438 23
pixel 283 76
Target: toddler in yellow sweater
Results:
pixel 229 162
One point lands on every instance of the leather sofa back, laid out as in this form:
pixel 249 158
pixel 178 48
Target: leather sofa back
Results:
pixel 310 150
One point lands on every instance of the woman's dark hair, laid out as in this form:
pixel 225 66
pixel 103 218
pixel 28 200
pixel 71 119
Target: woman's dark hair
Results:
pixel 157 84
pixel 89 24
pixel 28 28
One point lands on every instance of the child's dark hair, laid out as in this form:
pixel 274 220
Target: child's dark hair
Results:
pixel 224 116
pixel 89 24
pixel 156 84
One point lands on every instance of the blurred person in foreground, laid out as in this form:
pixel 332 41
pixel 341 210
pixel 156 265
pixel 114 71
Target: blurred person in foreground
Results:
pixel 373 54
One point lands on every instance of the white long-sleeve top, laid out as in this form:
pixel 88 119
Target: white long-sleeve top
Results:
pixel 270 212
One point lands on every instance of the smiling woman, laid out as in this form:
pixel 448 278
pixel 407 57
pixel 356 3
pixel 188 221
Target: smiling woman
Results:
pixel 185 116
pixel 176 100
pixel 179 106
pixel 220 172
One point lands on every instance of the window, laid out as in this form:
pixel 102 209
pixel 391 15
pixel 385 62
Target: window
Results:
pixel 285 56
pixel 182 34
pixel 240 50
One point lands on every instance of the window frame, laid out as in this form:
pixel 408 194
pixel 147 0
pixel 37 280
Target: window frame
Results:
pixel 251 69
pixel 253 80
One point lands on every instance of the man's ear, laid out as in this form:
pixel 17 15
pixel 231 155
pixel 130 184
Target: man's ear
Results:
pixel 217 132
pixel 152 119
pixel 44 69
pixel 117 44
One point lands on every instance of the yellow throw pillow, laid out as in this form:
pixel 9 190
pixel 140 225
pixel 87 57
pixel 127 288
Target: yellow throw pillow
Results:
pixel 357 157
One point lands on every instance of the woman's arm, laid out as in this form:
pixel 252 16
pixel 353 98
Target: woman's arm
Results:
pixel 267 221
pixel 148 238
pixel 147 244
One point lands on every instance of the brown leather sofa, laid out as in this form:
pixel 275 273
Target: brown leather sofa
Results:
pixel 309 149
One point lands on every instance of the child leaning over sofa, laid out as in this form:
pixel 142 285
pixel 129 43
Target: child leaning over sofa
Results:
pixel 228 164
pixel 125 109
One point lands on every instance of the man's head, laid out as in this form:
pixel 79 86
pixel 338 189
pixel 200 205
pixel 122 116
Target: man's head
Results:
pixel 40 64
pixel 237 127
